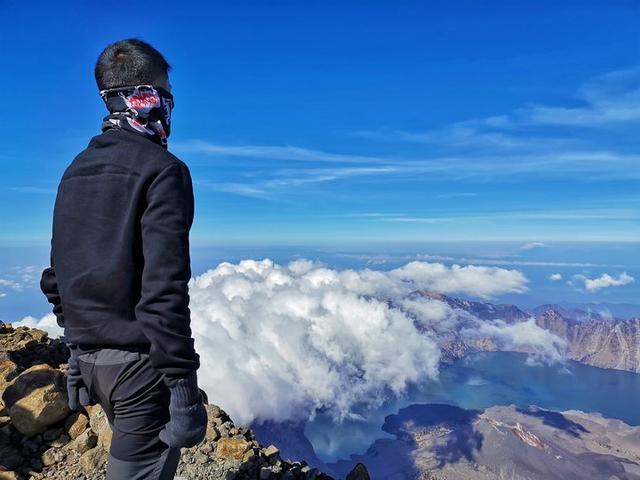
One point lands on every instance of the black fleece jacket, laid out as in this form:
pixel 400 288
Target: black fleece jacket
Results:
pixel 120 260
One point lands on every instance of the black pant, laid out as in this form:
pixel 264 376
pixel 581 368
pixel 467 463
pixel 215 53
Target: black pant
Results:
pixel 136 402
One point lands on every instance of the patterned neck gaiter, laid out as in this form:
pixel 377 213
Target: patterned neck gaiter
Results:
pixel 142 109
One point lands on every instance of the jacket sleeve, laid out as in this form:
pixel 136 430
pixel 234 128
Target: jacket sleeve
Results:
pixel 163 310
pixel 49 286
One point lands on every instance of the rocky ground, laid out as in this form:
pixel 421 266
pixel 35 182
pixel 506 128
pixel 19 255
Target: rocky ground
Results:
pixel 41 439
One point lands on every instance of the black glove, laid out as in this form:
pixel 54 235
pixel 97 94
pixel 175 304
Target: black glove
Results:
pixel 188 424
pixel 76 389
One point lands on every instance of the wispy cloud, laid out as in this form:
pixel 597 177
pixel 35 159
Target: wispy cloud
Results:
pixel 243 189
pixel 588 165
pixel 528 143
pixel 607 99
pixel 458 194
pixel 18 278
pixel 612 98
pixel 287 152
pixel 5 282
pixel 303 176
pixel 560 215
pixel 539 140
pixel 367 214
pixel 269 188
pixel 509 262
pixel 389 258
pixel 465 135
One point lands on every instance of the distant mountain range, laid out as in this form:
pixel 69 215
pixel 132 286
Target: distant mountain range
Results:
pixel 592 338
pixel 606 309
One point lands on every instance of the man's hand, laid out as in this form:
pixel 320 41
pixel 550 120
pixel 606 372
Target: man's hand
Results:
pixel 188 424
pixel 76 389
pixel 49 286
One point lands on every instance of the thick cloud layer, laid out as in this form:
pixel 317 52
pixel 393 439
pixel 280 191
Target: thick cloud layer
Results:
pixel 279 342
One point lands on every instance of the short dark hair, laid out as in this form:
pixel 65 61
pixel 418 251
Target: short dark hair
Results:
pixel 129 62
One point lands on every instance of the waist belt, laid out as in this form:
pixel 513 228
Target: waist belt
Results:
pixel 89 348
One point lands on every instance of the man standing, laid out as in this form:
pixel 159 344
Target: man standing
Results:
pixel 119 271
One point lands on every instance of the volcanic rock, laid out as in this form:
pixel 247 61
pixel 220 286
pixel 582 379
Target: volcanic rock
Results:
pixel 36 399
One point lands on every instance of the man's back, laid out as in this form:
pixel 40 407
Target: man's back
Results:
pixel 120 269
pixel 120 247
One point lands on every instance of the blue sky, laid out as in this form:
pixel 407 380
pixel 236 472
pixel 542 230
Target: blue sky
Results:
pixel 342 122
pixel 353 126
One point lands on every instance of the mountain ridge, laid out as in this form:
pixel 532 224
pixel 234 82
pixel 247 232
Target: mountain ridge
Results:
pixel 591 338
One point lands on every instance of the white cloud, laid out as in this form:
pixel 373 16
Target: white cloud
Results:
pixel 5 282
pixel 435 315
pixel 546 346
pixel 438 317
pixel 475 280
pixel 281 341
pixel 278 341
pixel 555 277
pixel 47 323
pixel 606 280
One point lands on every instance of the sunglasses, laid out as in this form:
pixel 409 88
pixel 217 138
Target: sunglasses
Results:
pixel 143 88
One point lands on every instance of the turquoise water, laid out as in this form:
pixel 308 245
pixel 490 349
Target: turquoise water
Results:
pixel 485 379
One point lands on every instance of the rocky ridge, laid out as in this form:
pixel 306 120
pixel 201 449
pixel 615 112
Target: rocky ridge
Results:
pixel 601 343
pixel 40 438
pixel 591 338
